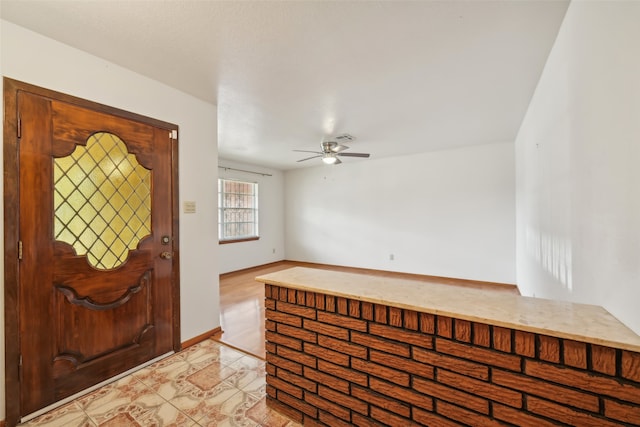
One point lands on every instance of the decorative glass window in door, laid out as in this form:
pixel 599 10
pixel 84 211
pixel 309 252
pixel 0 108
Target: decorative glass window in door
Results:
pixel 102 201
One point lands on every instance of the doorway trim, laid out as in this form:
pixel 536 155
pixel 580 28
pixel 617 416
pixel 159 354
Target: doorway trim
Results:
pixel 12 222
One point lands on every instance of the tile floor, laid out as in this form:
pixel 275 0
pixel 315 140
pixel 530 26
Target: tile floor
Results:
pixel 208 384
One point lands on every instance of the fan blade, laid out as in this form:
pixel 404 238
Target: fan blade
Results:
pixel 337 162
pixel 307 151
pixel 309 158
pixel 353 154
pixel 338 148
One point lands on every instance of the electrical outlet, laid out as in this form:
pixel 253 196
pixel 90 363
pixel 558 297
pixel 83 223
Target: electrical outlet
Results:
pixel 392 257
pixel 273 250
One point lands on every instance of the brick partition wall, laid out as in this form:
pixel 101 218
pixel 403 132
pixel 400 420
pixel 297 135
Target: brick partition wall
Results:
pixel 337 362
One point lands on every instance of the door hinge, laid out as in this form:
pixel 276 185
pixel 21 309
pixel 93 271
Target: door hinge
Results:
pixel 173 134
pixel 20 249
pixel 19 130
pixel 20 361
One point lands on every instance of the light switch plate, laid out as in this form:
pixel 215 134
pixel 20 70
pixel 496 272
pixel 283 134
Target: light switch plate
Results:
pixel 189 207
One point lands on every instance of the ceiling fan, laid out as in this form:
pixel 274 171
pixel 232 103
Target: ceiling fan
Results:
pixel 332 148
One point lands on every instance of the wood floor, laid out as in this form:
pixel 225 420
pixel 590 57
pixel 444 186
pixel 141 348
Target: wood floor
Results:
pixel 242 300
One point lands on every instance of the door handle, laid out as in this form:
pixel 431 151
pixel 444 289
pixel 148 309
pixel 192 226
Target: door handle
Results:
pixel 166 255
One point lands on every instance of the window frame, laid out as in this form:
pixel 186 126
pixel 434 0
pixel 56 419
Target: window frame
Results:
pixel 221 210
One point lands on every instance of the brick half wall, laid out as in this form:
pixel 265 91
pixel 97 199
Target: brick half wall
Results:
pixel 337 362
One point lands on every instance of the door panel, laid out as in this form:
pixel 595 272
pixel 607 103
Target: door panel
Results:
pixel 96 197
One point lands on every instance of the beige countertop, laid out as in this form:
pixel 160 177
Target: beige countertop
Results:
pixel 581 322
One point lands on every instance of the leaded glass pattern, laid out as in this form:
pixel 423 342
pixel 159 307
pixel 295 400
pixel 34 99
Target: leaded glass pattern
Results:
pixel 102 201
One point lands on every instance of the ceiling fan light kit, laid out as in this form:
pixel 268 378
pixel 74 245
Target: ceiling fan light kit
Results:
pixel 331 149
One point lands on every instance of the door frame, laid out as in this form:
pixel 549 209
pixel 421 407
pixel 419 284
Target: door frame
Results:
pixel 12 226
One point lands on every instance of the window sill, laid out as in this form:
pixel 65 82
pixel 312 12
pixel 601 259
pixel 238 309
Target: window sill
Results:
pixel 246 239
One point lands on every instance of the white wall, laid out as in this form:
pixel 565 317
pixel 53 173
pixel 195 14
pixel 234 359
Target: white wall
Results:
pixel 34 59
pixel 446 213
pixel 578 173
pixel 270 247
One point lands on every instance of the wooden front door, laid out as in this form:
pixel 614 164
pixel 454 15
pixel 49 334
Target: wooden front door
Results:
pixel 97 289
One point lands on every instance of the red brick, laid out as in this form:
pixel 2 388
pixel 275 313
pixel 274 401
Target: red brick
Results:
pixel 518 417
pixel 402 394
pixel 311 299
pixel 296 356
pixel 296 310
pixel 323 404
pixel 395 317
pixel 465 416
pixel 402 335
pixel 481 335
pixel 407 365
pixel 389 418
pixel 343 346
pixel 525 344
pixel 285 386
pixel 380 313
pixel 342 321
pixel 330 303
pixel 290 412
pixel 584 380
pixel 603 359
pixel 287 319
pixel 630 366
pixel 490 391
pixel 301 406
pixel 547 390
pixel 367 311
pixel 267 291
pixel 381 401
pixel 411 320
pixel 464 367
pixel 393 375
pixel 324 329
pixel 326 354
pixel 320 301
pixel 298 333
pixel 381 344
pixel 271 391
pixel 282 294
pixel 427 323
pixel 270 347
pixel 361 421
pixel 270 369
pixel 575 354
pixel 463 330
pixel 270 325
pixel 487 356
pixel 622 412
pixel 344 373
pixel 270 304
pixel 445 327
pixel 449 394
pixel 549 349
pixel 342 306
pixel 431 419
pixel 329 420
pixel 284 363
pixel 502 339
pixel 566 415
pixel 283 340
pixel 291 296
pixel 344 400
pixel 297 380
pixel 354 308
pixel 301 298
pixel 326 379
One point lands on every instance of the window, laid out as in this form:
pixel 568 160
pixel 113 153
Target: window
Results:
pixel 237 210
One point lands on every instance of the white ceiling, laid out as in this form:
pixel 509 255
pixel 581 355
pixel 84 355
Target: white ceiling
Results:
pixel 402 76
